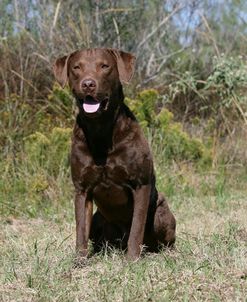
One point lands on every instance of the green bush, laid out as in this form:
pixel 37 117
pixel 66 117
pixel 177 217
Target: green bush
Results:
pixel 20 117
pixel 61 95
pixel 220 95
pixel 61 105
pixel 49 151
pixel 228 80
pixel 165 131
pixel 36 179
pixel 144 107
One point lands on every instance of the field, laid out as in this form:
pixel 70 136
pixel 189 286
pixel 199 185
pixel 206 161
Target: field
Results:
pixel 209 262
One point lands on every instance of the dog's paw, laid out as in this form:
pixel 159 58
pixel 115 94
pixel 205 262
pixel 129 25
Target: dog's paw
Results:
pixel 81 258
pixel 79 261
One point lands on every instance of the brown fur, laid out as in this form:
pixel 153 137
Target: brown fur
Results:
pixel 111 162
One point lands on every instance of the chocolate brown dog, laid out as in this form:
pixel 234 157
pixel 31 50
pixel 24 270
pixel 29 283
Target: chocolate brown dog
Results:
pixel 111 162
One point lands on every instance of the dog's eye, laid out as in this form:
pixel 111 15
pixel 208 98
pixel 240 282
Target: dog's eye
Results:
pixel 76 67
pixel 104 66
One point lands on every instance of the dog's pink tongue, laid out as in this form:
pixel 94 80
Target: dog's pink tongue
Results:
pixel 90 108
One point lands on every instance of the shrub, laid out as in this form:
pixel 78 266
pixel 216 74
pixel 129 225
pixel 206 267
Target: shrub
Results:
pixel 49 151
pixel 229 80
pixel 165 131
pixel 220 95
pixel 61 102
pixel 20 117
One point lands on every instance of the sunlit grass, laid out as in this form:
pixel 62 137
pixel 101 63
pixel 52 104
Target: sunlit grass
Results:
pixel 208 263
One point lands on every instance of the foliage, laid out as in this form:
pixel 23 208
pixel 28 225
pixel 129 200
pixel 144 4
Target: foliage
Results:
pixel 185 50
pixel 34 164
pixel 228 79
pixel 20 117
pixel 61 102
pixel 50 151
pixel 34 179
pixel 158 120
pixel 221 96
pixel 168 38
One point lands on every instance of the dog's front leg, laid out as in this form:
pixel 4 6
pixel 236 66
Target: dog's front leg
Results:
pixel 141 202
pixel 83 216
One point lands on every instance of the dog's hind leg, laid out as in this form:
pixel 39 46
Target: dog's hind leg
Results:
pixel 164 223
pixel 104 233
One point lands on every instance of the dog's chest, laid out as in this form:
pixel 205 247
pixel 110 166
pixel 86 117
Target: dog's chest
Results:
pixel 109 184
pixel 120 172
pixel 128 165
pixel 108 175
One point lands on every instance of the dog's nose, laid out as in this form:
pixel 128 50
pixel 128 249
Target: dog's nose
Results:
pixel 88 84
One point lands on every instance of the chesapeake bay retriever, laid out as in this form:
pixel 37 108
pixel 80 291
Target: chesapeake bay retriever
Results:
pixel 111 162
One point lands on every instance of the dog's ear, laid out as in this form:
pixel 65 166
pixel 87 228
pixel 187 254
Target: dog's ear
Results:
pixel 125 64
pixel 60 69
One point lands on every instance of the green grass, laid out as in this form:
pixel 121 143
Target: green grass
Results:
pixel 208 264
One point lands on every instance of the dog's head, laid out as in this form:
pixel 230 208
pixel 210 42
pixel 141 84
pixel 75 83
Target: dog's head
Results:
pixel 95 77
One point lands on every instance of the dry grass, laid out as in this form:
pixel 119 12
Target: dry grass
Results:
pixel 208 264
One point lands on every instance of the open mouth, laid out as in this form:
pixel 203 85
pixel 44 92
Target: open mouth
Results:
pixel 92 105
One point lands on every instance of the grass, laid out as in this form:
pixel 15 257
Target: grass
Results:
pixel 209 262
